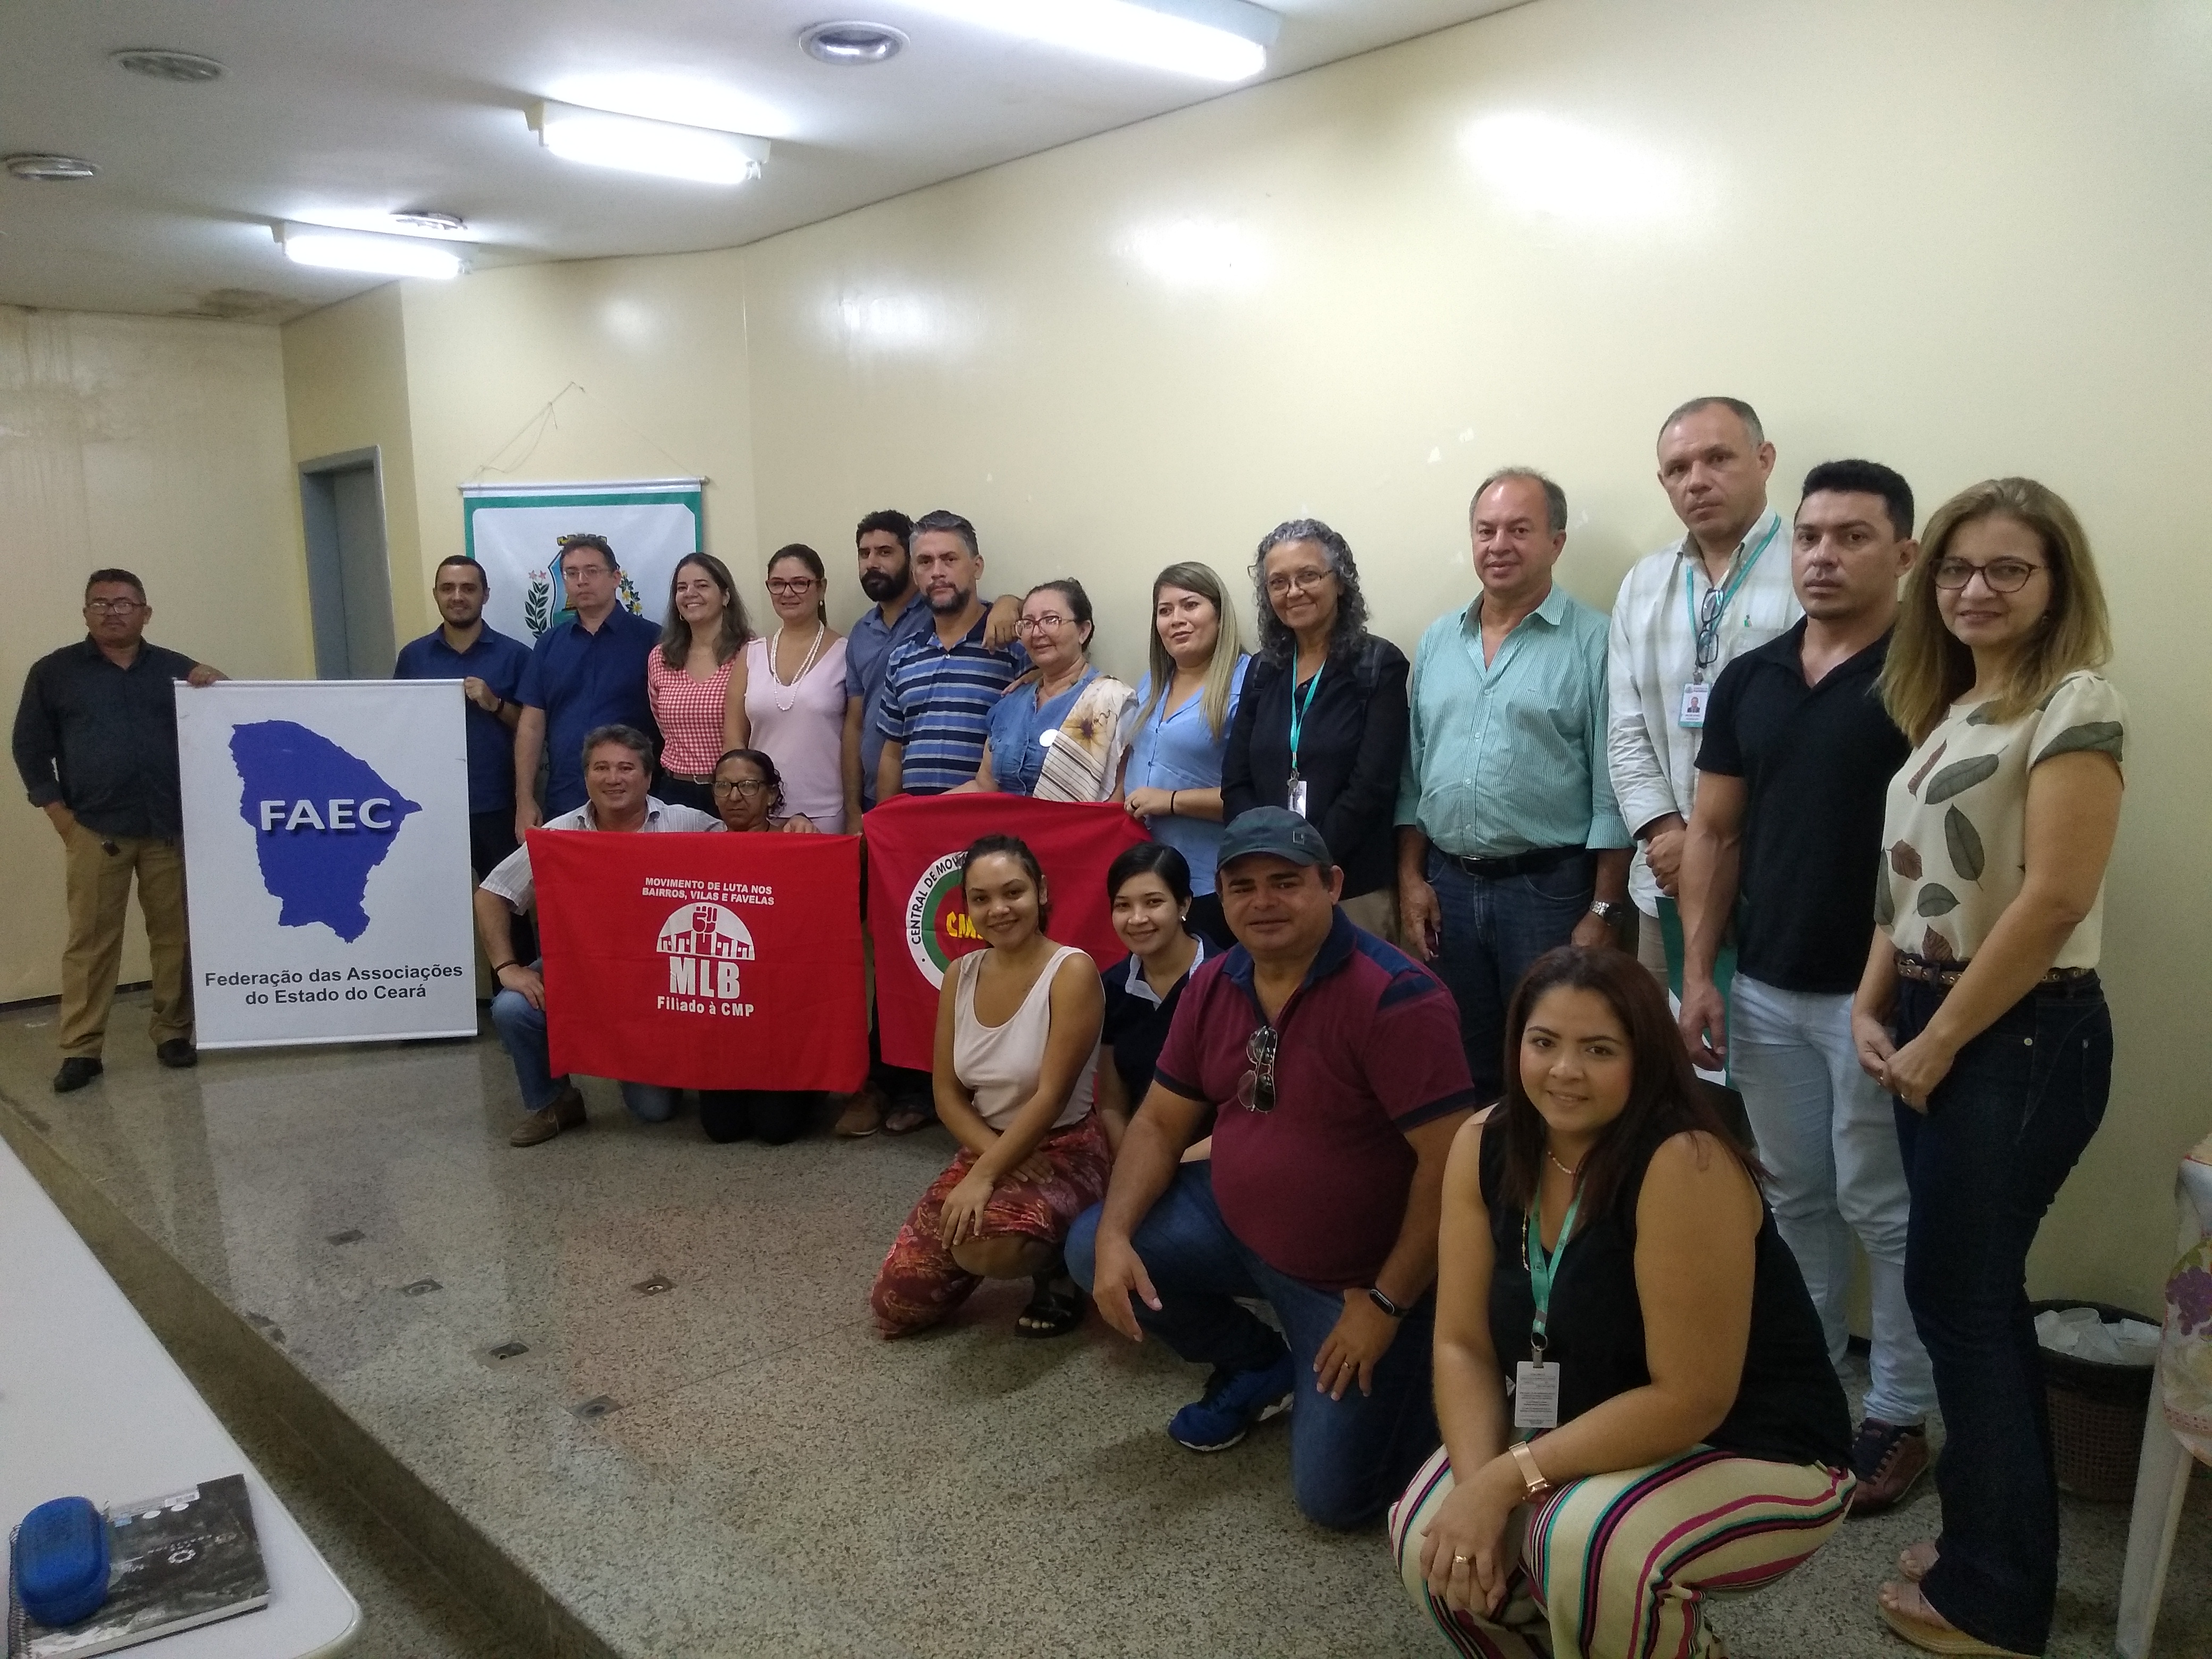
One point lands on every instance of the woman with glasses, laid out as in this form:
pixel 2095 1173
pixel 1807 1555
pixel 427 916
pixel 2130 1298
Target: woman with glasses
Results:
pixel 1322 725
pixel 787 696
pixel 1017 1050
pixel 687 679
pixel 1981 1014
pixel 1148 885
pixel 1674 1427
pixel 1186 706
pixel 1058 732
pixel 748 795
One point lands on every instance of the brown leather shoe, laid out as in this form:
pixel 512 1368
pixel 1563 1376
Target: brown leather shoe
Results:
pixel 863 1114
pixel 566 1112
pixel 1888 1458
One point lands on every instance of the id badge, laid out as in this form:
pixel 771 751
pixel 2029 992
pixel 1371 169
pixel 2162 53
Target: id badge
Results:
pixel 1536 1395
pixel 1694 705
pixel 1298 796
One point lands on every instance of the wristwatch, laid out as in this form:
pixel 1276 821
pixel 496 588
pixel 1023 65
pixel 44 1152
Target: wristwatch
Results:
pixel 1525 1460
pixel 1383 1302
pixel 1607 911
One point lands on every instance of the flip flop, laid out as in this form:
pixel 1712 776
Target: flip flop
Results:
pixel 1910 1567
pixel 905 1120
pixel 1932 1637
pixel 1053 1311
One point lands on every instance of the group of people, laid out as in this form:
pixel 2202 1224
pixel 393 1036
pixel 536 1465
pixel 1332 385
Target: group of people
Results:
pixel 1392 1051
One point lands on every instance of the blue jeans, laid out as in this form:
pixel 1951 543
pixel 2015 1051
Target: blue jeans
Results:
pixel 1829 1137
pixel 521 1030
pixel 1489 933
pixel 2000 1133
pixel 1349 1457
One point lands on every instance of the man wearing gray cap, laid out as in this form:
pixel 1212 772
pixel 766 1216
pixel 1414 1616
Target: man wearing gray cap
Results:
pixel 1333 1063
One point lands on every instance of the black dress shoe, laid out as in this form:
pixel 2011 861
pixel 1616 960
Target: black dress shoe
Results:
pixel 178 1053
pixel 75 1073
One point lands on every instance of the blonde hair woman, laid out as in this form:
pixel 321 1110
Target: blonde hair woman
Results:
pixel 1981 1013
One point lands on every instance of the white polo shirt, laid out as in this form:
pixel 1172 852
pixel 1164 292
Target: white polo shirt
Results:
pixel 510 878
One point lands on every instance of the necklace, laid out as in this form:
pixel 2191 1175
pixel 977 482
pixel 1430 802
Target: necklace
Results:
pixel 1571 1175
pixel 791 685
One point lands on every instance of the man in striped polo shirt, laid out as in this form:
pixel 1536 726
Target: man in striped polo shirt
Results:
pixel 939 689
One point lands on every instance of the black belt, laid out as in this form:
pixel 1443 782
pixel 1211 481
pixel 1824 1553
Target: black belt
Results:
pixel 1532 863
pixel 1948 974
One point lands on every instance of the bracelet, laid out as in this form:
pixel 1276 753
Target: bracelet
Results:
pixel 1534 1478
pixel 1172 793
pixel 499 968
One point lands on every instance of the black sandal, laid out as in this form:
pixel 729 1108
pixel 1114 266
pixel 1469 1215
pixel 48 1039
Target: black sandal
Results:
pixel 1055 1310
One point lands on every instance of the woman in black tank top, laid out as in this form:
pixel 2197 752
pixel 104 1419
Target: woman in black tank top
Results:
pixel 1634 1389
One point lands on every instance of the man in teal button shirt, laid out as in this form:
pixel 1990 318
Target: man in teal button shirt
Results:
pixel 1508 841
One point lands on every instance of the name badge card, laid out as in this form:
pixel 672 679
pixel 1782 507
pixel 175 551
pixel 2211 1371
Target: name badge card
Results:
pixel 1694 705
pixel 1298 796
pixel 1536 1395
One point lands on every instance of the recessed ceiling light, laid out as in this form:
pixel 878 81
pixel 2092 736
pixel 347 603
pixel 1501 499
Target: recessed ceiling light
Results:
pixel 49 167
pixel 1214 39
pixel 852 42
pixel 597 137
pixel 164 65
pixel 367 252
pixel 429 222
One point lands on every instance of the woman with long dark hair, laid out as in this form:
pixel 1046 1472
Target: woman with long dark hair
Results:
pixel 687 677
pixel 1673 1423
pixel 1148 887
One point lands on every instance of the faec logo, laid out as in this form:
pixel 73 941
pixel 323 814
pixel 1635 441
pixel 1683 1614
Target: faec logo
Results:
pixel 322 819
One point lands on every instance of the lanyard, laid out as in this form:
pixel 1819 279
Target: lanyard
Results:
pixel 1706 635
pixel 1542 1267
pixel 1298 710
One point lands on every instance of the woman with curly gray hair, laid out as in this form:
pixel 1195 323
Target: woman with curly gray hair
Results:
pixel 1322 725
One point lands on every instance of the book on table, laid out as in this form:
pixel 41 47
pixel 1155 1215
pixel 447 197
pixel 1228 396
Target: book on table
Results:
pixel 175 1562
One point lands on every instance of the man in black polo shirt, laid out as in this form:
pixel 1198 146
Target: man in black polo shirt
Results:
pixel 1785 833
pixel 96 744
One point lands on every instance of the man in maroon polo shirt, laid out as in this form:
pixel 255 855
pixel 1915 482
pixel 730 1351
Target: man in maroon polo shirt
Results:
pixel 1335 1062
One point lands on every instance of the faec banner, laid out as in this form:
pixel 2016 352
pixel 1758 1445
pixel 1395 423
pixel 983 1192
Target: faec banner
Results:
pixel 703 961
pixel 917 917
pixel 327 860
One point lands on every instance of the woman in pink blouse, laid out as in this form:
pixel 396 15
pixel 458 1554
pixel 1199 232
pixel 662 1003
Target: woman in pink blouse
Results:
pixel 787 694
pixel 687 678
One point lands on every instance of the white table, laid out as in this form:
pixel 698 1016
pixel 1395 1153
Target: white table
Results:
pixel 91 1404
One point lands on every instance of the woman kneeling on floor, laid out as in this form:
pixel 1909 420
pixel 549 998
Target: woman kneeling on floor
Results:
pixel 1675 1429
pixel 1017 1048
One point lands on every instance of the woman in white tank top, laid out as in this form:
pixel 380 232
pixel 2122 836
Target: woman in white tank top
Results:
pixel 1017 1050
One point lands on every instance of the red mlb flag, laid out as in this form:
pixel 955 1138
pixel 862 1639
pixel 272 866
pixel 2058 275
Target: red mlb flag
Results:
pixel 703 961
pixel 919 921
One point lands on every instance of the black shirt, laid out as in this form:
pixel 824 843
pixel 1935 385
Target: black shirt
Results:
pixel 1789 1407
pixel 1136 1026
pixel 102 740
pixel 1816 761
pixel 1351 744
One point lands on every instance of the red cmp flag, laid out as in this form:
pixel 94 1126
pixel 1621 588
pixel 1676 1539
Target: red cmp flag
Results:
pixel 916 917
pixel 703 961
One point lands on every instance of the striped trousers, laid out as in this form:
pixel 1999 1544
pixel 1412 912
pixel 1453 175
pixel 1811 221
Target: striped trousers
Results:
pixel 1619 1566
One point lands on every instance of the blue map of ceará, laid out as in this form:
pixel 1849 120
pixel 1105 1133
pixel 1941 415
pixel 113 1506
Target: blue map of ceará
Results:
pixel 322 820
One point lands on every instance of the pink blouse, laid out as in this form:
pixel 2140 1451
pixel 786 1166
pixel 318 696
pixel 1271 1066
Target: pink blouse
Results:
pixel 689 713
pixel 802 728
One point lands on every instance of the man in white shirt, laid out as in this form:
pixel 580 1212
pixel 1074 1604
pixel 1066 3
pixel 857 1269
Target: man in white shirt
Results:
pixel 618 767
pixel 1683 614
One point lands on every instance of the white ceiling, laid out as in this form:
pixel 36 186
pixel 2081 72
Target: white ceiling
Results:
pixel 338 110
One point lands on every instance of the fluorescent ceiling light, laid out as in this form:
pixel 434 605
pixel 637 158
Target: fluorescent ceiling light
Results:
pixel 601 138
pixel 1213 39
pixel 695 100
pixel 367 252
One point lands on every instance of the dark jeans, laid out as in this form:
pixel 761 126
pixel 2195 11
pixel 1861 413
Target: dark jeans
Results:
pixel 2000 1133
pixel 1349 1457
pixel 1490 931
pixel 491 838
pixel 772 1117
pixel 672 791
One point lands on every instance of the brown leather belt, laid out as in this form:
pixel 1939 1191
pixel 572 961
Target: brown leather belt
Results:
pixel 1946 974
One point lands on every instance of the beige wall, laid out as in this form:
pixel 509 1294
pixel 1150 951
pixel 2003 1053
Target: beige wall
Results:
pixel 1964 238
pixel 157 445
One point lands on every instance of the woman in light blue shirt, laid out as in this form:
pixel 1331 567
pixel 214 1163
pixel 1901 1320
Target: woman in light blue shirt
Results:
pixel 1059 732
pixel 1172 782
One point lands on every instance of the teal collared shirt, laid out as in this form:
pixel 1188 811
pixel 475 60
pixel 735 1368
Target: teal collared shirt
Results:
pixel 1510 757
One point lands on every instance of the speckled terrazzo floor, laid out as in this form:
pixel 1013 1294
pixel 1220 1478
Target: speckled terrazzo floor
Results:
pixel 734 1465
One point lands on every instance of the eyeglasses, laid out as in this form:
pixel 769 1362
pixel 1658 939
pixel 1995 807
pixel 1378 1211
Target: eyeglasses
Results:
pixel 1255 1090
pixel 113 607
pixel 1303 581
pixel 1709 628
pixel 745 787
pixel 2000 576
pixel 1050 623
pixel 790 586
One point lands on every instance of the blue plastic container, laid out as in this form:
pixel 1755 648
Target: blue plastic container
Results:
pixel 61 1561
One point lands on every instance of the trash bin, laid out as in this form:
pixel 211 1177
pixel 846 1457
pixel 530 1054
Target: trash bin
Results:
pixel 2097 1407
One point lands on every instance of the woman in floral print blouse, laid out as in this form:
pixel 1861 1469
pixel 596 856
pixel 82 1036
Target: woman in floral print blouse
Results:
pixel 1981 1014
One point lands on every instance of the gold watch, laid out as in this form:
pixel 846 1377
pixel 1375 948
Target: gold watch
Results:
pixel 1525 1460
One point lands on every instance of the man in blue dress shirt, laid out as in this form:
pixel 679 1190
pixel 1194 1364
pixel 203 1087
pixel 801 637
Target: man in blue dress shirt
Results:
pixel 489 666
pixel 584 673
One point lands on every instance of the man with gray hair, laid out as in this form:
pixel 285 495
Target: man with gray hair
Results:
pixel 618 766
pixel 1683 614
pixel 1509 843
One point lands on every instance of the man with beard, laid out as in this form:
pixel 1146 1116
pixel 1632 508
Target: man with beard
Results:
pixel 941 686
